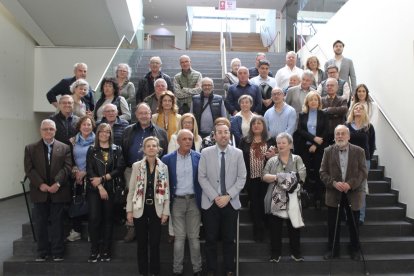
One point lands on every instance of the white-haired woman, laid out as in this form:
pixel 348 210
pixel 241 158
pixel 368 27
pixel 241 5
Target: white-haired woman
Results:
pixel 277 172
pixel 126 88
pixel 231 77
pixel 79 89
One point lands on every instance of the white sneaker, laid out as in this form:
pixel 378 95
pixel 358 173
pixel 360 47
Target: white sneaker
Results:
pixel 73 236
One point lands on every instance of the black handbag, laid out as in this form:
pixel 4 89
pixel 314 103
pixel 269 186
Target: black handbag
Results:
pixel 79 205
pixel 120 192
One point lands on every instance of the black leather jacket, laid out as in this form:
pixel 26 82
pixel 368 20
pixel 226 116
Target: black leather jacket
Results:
pixel 95 166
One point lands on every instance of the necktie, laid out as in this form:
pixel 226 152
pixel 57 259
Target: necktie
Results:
pixel 49 152
pixel 223 174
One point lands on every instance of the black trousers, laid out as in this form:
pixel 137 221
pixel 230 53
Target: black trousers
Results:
pixel 101 221
pixel 217 219
pixel 48 222
pixel 344 209
pixel 276 224
pixel 148 228
pixel 313 183
pixel 256 190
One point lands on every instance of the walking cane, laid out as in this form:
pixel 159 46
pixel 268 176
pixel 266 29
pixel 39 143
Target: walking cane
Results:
pixel 366 272
pixel 237 245
pixel 28 208
pixel 334 238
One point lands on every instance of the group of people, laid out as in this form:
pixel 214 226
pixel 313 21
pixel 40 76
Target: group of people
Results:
pixel 303 129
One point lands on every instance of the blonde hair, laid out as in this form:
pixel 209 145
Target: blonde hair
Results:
pixel 151 138
pixel 364 116
pixel 309 96
pixel 195 126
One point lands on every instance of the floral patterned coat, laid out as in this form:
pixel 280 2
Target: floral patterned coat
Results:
pixel 138 185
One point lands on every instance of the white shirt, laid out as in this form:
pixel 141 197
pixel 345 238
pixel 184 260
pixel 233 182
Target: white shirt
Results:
pixel 283 75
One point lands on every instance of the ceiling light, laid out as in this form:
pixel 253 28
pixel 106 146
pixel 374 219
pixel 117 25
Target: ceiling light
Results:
pixel 162 24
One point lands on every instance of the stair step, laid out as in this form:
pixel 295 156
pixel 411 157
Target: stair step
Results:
pixel 403 264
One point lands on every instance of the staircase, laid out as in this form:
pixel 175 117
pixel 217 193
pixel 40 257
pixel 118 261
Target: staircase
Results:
pixel 386 238
pixel 241 42
pixel 206 62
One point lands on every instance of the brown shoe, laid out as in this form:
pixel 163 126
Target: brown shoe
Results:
pixel 171 239
pixel 130 235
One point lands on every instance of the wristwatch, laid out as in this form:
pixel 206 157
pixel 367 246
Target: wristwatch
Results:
pixel 58 184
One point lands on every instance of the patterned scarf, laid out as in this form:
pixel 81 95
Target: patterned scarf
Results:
pixel 160 182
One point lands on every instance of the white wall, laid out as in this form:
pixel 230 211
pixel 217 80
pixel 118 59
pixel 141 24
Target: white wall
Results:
pixel 17 121
pixel 177 31
pixel 53 64
pixel 378 36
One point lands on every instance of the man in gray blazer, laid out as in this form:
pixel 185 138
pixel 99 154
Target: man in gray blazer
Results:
pixel 221 186
pixel 47 164
pixel 345 65
pixel 295 96
pixel 343 170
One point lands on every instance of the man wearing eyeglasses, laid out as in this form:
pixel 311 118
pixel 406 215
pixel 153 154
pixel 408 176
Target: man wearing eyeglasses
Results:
pixel 47 164
pixel 146 84
pixel 186 84
pixel 207 107
pixel 65 120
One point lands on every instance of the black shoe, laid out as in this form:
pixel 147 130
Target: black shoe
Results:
pixel 328 255
pixel 178 274
pixel 105 257
pixel 355 255
pixel 41 258
pixel 93 258
pixel 297 258
pixel 361 223
pixel 57 258
pixel 275 259
pixel 198 273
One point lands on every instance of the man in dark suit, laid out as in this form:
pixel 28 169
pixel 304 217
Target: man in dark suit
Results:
pixel 222 175
pixel 335 108
pixel 343 170
pixel 185 198
pixel 47 164
pixel 63 87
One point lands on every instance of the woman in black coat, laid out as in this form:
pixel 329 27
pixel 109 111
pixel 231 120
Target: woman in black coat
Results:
pixel 310 140
pixel 104 164
pixel 257 149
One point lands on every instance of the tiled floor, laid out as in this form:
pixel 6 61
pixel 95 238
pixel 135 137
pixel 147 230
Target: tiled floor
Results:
pixel 13 214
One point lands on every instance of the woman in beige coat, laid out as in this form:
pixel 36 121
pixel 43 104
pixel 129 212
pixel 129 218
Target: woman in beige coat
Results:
pixel 148 204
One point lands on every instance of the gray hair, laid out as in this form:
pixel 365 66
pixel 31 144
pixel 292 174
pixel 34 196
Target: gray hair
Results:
pixel 291 53
pixel 245 96
pixel 308 73
pixel 77 64
pixel 234 60
pixel 207 79
pixel 285 135
pixel 182 131
pixel 48 122
pixel 160 80
pixel 105 107
pixel 116 68
pixel 76 83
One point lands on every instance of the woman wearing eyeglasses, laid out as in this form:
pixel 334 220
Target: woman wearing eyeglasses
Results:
pixel 104 163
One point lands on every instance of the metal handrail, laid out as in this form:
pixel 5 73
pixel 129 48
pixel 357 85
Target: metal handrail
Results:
pixel 394 128
pixel 110 62
pixel 124 40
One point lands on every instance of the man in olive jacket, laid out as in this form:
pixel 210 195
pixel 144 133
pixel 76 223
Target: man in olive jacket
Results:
pixel 47 164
